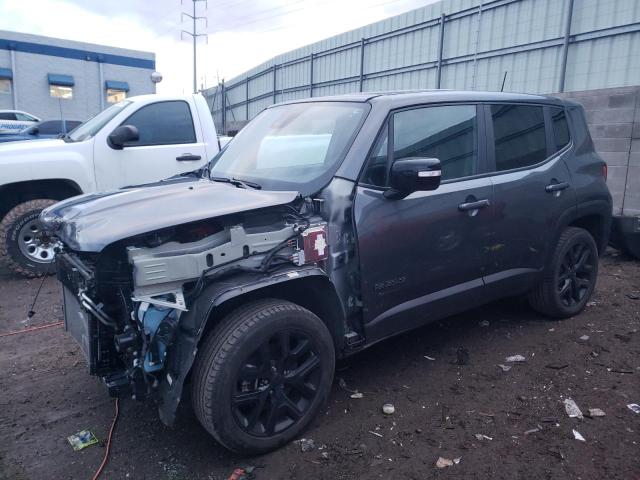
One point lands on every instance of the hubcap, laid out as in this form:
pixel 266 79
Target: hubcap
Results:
pixel 276 384
pixel 575 275
pixel 34 244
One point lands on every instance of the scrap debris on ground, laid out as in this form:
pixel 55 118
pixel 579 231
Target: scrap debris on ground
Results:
pixel 461 408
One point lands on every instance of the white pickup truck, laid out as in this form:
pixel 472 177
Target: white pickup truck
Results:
pixel 139 140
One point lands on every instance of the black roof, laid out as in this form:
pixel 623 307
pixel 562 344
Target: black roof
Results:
pixel 399 98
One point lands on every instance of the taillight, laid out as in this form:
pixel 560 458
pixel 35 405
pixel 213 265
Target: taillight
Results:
pixel 605 171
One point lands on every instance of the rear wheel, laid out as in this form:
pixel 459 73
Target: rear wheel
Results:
pixel 26 249
pixel 262 375
pixel 570 277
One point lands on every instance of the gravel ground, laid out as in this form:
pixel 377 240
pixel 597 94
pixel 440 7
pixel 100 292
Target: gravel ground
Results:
pixel 500 424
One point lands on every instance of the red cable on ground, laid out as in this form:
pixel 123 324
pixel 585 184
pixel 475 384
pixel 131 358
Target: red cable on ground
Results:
pixel 106 453
pixel 31 329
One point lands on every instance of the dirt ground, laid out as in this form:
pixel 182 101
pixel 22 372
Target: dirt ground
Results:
pixel 46 395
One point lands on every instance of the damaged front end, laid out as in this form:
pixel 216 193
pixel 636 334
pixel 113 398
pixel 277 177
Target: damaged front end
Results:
pixel 139 305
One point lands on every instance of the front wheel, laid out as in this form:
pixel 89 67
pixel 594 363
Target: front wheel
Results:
pixel 26 249
pixel 570 277
pixel 262 375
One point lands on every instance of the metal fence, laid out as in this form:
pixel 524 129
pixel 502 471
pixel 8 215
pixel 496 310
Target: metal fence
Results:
pixel 535 46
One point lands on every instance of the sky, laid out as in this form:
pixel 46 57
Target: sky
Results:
pixel 241 33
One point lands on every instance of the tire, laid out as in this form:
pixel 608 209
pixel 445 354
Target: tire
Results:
pixel 570 277
pixel 18 259
pixel 234 365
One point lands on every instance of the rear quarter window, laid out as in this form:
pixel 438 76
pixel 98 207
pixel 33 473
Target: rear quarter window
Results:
pixel 560 128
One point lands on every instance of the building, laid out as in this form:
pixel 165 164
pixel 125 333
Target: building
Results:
pixel 48 77
pixel 586 50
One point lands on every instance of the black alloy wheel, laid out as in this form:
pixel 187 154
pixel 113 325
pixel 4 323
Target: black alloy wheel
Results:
pixel 277 384
pixel 576 274
pixel 262 374
pixel 570 276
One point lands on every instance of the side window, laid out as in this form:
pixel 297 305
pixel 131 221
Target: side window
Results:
pixel 378 165
pixel 50 128
pixel 560 127
pixel 519 136
pixel 448 133
pixel 163 123
pixel 7 116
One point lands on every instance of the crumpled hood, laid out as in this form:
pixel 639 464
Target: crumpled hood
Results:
pixel 93 221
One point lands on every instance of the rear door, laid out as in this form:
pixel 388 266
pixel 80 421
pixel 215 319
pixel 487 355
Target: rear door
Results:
pixel 423 257
pixel 532 190
pixel 169 144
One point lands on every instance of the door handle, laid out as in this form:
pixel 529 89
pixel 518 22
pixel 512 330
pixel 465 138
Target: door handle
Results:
pixel 187 157
pixel 556 187
pixel 465 207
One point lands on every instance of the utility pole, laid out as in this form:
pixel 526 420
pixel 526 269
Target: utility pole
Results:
pixel 194 35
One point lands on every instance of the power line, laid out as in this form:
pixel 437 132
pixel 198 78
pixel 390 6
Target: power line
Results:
pixel 194 36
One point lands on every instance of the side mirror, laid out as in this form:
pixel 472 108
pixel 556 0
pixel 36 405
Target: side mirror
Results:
pixel 410 175
pixel 122 135
pixel 34 131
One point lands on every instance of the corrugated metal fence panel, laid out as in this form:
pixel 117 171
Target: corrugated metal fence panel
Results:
pixel 256 106
pixel 604 62
pixel 592 15
pixel 482 40
pixel 341 64
pixel 261 84
pixel 294 75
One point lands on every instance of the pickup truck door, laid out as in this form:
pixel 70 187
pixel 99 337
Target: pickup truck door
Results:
pixel 170 142
pixel 423 257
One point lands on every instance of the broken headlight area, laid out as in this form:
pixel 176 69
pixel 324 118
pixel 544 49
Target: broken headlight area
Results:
pixel 124 305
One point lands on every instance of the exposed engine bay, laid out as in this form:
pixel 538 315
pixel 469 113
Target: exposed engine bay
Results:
pixel 125 304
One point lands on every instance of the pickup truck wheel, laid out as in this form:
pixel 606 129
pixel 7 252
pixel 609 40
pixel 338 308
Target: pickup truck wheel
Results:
pixel 23 245
pixel 570 277
pixel 262 375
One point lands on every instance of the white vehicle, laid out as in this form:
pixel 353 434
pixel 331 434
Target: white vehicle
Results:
pixel 12 121
pixel 139 140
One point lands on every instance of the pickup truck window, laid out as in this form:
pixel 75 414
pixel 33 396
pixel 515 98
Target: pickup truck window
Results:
pixel 292 147
pixel 89 128
pixel 163 123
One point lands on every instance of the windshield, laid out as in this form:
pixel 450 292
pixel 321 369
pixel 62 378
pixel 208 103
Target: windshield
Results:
pixel 292 147
pixel 89 128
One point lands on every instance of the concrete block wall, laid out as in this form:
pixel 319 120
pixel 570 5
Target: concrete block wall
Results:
pixel 613 116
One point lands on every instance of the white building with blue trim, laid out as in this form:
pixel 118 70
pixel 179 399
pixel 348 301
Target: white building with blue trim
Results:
pixel 46 76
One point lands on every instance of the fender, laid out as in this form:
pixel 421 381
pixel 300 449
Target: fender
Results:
pixel 193 325
pixel 48 159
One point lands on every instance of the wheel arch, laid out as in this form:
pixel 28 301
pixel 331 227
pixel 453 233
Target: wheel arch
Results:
pixel 12 194
pixel 309 288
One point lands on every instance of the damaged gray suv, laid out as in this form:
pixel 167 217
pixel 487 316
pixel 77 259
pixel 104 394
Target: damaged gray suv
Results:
pixel 326 226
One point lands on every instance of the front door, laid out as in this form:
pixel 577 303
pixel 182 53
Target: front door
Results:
pixel 422 256
pixel 169 144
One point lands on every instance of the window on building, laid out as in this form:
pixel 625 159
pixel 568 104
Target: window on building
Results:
pixel 59 91
pixel 163 123
pixel 5 85
pixel 114 95
pixel 116 90
pixel 61 86
pixel 6 76
pixel 560 127
pixel 519 136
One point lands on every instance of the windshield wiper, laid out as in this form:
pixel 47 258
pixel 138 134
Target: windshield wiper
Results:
pixel 238 183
